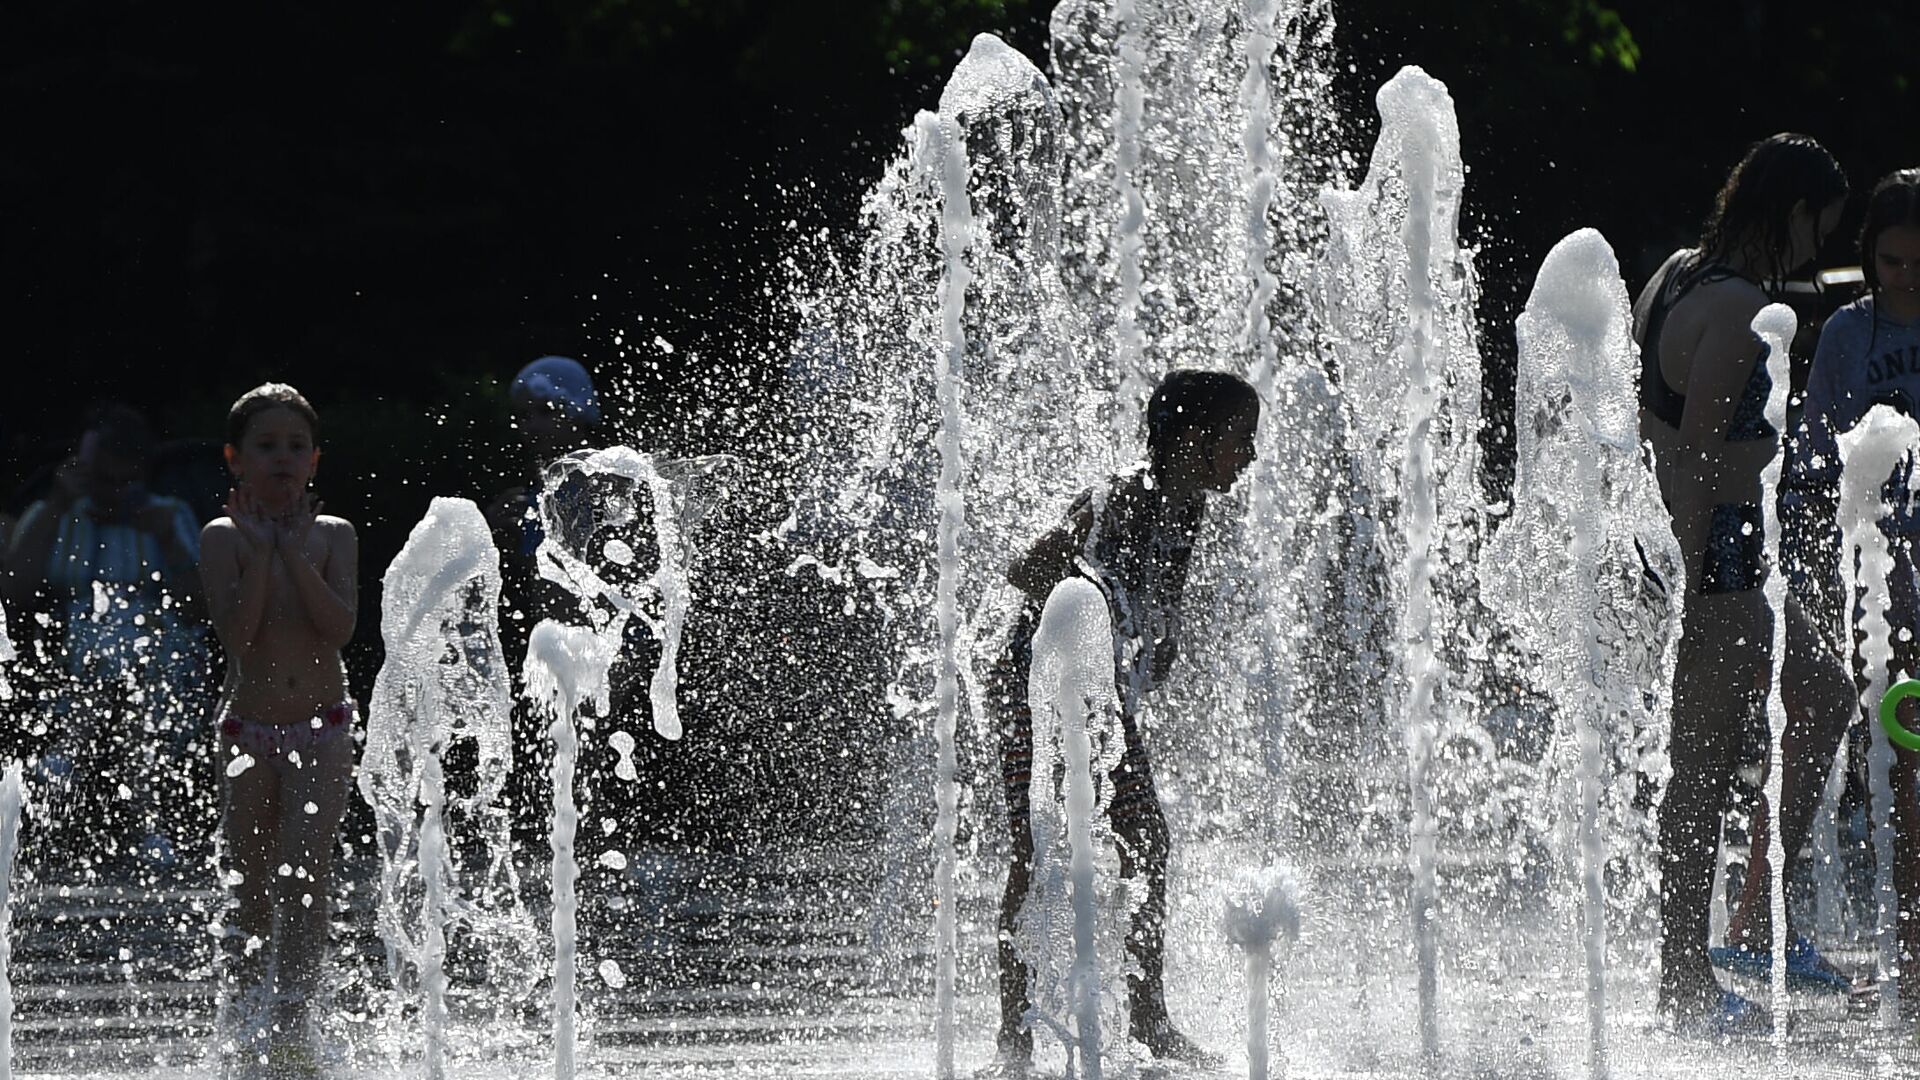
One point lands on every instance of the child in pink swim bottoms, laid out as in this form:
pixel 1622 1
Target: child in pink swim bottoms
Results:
pixel 284 746
pixel 279 579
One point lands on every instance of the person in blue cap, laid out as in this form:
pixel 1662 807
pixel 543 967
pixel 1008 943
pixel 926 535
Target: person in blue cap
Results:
pixel 555 411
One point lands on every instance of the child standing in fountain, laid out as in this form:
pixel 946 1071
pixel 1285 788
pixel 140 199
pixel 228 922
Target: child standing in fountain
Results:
pixel 1134 541
pixel 280 581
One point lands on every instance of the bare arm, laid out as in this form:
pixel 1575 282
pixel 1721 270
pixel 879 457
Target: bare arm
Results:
pixel 330 598
pixel 1050 560
pixel 233 578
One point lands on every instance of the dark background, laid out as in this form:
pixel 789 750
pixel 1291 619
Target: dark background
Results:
pixel 394 209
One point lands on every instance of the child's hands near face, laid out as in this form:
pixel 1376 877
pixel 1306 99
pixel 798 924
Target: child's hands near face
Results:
pixel 247 517
pixel 291 528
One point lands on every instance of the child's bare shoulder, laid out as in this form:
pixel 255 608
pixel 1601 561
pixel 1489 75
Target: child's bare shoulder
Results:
pixel 335 529
pixel 220 529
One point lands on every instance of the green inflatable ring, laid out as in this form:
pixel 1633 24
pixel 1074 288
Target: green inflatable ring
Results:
pixel 1889 704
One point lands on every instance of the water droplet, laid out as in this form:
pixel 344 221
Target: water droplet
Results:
pixel 239 765
pixel 611 974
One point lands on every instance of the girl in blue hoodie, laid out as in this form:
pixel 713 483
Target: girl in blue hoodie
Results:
pixel 1869 355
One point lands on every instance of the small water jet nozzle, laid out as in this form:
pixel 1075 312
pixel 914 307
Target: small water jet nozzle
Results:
pixel 1261 906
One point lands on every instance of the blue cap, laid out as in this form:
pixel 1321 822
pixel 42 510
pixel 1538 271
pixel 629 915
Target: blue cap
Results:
pixel 557 381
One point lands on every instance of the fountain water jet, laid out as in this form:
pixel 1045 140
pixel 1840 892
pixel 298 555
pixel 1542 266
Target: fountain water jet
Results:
pixel 444 683
pixel 1077 743
pixel 12 804
pixel 1261 909
pixel 1394 264
pixel 1586 518
pixel 1869 454
pixel 1775 325
pixel 594 497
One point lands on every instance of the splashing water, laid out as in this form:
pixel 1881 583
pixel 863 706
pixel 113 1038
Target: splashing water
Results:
pixel 1869 454
pixel 12 804
pixel 8 654
pixel 1171 192
pixel 1262 908
pixel 956 236
pixel 1394 264
pixel 1775 325
pixel 443 689
pixel 1586 518
pixel 1077 743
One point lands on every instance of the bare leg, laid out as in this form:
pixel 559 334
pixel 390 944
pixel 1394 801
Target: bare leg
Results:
pixel 313 800
pixel 1722 661
pixel 1906 849
pixel 249 829
pixel 1821 701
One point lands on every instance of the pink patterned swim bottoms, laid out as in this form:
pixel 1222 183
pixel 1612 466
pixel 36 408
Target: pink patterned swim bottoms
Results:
pixel 269 743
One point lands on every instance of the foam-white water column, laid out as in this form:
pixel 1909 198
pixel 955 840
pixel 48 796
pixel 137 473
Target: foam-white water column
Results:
pixel 444 679
pixel 1256 101
pixel 567 666
pixel 672 579
pixel 1868 454
pixel 1419 514
pixel 7 656
pixel 1129 230
pixel 1397 293
pixel 1070 690
pixel 1261 179
pixel 1775 324
pixel 956 235
pixel 1574 461
pixel 12 803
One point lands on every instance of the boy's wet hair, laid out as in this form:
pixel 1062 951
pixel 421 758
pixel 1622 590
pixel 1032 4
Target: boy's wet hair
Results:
pixel 268 396
pixel 1191 400
pixel 120 430
pixel 1752 211
pixel 1895 201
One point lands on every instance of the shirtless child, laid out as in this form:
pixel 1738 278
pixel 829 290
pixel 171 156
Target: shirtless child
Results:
pixel 1135 543
pixel 280 583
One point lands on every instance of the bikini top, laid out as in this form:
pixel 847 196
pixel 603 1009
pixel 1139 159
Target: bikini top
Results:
pixel 1682 275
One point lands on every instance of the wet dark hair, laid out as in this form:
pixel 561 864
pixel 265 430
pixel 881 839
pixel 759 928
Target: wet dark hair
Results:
pixel 1189 400
pixel 1895 201
pixel 260 399
pixel 120 430
pixel 1752 211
